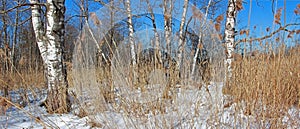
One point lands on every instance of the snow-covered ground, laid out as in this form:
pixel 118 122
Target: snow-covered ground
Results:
pixel 192 108
pixel 27 118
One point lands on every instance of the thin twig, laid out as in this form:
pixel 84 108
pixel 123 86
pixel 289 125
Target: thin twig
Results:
pixel 284 28
pixel 69 18
pixel 21 5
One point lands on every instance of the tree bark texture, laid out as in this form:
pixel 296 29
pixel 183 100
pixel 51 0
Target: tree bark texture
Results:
pixel 50 44
pixel 229 35
pixel 131 39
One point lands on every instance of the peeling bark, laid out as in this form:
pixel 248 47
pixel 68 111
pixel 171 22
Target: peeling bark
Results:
pixel 38 28
pixel 229 35
pixel 50 44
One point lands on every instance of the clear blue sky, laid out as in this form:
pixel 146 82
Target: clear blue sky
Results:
pixel 262 17
pixel 261 13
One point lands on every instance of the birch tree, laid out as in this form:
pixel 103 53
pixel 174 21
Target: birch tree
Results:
pixel 168 23
pixel 181 34
pixel 229 35
pixel 156 36
pixel 131 38
pixel 199 41
pixel 50 41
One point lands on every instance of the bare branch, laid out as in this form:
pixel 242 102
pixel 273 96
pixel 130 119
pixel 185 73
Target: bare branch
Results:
pixel 21 5
pixel 23 22
pixel 267 36
pixel 69 18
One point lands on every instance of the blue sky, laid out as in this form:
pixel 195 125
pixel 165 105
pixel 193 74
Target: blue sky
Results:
pixel 262 17
pixel 261 13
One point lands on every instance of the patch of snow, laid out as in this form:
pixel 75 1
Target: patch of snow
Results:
pixel 192 107
pixel 29 117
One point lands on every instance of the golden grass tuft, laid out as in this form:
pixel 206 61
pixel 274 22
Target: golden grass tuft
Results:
pixel 268 83
pixel 18 80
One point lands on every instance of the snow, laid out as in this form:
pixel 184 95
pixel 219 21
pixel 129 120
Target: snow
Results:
pixel 19 119
pixel 199 108
pixel 27 116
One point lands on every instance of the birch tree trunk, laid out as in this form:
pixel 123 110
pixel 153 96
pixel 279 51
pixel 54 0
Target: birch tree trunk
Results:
pixel 157 44
pixel 199 41
pixel 131 39
pixel 181 35
pixel 50 45
pixel 39 29
pixel 229 36
pixel 168 23
pixel 167 10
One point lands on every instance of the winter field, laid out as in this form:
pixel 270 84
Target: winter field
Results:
pixel 193 108
pixel 187 68
pixel 268 99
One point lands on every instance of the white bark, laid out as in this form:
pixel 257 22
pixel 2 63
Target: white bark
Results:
pixel 50 45
pixel 181 35
pixel 229 35
pixel 199 41
pixel 168 23
pixel 38 28
pixel 131 39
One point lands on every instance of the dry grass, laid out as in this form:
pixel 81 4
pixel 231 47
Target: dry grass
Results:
pixel 149 74
pixel 268 83
pixel 23 78
pixel 4 105
pixel 155 84
pixel 17 80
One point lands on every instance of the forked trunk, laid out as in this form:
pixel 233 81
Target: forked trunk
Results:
pixel 50 45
